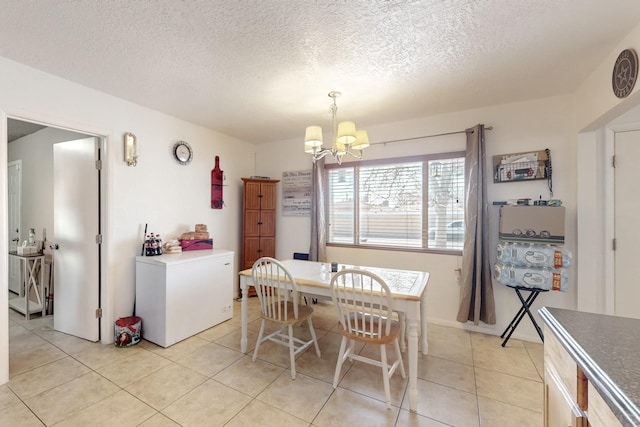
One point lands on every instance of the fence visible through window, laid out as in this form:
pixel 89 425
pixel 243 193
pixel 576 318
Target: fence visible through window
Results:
pixel 417 203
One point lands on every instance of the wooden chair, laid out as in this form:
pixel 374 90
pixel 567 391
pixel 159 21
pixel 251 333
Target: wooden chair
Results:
pixel 278 295
pixel 364 305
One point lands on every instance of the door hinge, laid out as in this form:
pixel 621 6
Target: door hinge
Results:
pixel 615 244
pixel 98 313
pixel 99 165
pixel 99 239
pixel 613 161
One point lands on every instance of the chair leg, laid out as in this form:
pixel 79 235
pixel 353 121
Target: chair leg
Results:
pixel 397 349
pixel 255 352
pixel 313 335
pixel 385 374
pixel 352 350
pixel 336 376
pixel 292 353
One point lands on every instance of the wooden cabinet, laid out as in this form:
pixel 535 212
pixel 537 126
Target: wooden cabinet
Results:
pixel 258 220
pixel 569 398
pixel 600 415
pixel 564 387
pixel 180 295
pixel 590 361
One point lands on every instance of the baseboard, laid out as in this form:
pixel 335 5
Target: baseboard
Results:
pixel 484 329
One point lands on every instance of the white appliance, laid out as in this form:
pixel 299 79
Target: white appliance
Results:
pixel 180 295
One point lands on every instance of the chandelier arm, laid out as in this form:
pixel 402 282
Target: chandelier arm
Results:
pixel 322 153
pixel 337 157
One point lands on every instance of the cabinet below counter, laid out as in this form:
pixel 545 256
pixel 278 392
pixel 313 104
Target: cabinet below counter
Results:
pixel 606 351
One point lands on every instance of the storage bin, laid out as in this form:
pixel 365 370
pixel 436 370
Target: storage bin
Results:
pixel 128 331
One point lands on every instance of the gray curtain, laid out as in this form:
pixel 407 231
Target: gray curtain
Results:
pixel 476 292
pixel 318 251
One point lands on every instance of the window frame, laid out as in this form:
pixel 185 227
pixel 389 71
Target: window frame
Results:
pixel 356 199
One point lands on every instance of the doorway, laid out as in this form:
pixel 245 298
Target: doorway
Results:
pixel 61 181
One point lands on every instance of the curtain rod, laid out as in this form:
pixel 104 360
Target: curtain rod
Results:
pixel 426 136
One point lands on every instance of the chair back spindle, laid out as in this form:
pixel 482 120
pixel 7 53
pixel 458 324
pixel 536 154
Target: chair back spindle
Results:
pixel 276 289
pixel 363 302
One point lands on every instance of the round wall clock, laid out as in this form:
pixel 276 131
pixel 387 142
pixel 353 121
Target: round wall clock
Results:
pixel 182 152
pixel 625 73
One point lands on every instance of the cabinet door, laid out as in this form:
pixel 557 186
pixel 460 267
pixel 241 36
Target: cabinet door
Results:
pixel 565 367
pixel 600 415
pixel 250 251
pixel 251 223
pixel 252 195
pixel 268 246
pixel 268 192
pixel 267 223
pixel 559 407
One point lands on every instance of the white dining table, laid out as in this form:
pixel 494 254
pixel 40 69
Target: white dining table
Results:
pixel 408 289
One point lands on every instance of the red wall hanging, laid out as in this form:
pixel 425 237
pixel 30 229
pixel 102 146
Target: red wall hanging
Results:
pixel 216 186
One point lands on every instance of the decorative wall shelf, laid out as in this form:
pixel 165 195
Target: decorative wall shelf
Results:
pixel 524 166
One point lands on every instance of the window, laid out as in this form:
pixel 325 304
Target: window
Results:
pixel 412 203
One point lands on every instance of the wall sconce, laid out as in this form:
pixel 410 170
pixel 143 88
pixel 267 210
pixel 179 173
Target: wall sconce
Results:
pixel 130 149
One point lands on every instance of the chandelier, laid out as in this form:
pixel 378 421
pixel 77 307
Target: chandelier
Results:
pixel 345 137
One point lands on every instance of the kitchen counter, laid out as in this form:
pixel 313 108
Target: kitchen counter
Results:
pixel 607 349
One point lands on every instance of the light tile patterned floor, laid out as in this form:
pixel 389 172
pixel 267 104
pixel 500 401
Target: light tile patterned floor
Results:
pixel 467 379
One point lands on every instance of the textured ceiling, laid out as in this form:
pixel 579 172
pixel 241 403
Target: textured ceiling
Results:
pixel 261 70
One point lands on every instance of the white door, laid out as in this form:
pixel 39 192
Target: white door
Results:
pixel 75 227
pixel 15 203
pixel 627 229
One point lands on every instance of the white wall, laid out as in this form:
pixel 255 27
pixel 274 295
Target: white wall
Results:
pixel 169 197
pixel 596 104
pixel 533 125
pixel 599 114
pixel 4 248
pixel 592 217
pixel 36 153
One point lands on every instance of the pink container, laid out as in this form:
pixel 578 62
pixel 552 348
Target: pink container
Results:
pixel 196 244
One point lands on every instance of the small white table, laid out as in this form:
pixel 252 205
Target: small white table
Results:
pixel 407 289
pixel 32 279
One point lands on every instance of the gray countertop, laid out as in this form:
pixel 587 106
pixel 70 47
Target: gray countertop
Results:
pixel 607 349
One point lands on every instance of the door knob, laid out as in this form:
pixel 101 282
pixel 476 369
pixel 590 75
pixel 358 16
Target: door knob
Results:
pixel 15 240
pixel 55 246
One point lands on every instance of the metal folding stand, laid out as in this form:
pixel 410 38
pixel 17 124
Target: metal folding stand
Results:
pixel 525 309
pixel 304 257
